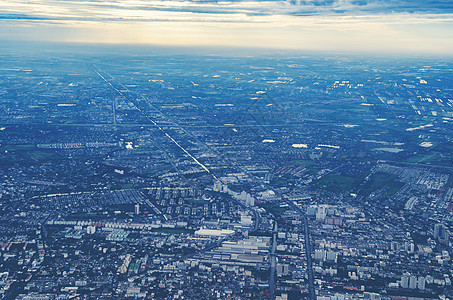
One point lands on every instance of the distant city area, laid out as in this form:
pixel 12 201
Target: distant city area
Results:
pixel 131 172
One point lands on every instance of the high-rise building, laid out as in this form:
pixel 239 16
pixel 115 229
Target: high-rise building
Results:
pixel 331 256
pixel 421 283
pixel 282 269
pixel 371 296
pixel 246 220
pixel 320 255
pixel 437 230
pixel 137 209
pixel 405 281
pixel 217 186
pixel 311 210
pixel 250 201
pixel 440 233
pixel 321 213
pixel 413 282
pixel 91 229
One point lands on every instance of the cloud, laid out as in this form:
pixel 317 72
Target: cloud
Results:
pixel 339 24
pixel 128 9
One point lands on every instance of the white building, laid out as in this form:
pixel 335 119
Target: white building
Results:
pixel 214 232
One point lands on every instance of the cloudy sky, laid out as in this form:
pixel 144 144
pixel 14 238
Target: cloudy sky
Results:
pixel 411 26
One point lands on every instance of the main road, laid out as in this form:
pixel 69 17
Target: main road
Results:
pixel 311 283
pixel 273 263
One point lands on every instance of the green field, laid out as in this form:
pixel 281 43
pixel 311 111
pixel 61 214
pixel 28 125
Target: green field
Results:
pixel 380 180
pixel 301 162
pixel 26 154
pixel 17 147
pixel 275 208
pixel 38 155
pixel 338 183
pixel 428 158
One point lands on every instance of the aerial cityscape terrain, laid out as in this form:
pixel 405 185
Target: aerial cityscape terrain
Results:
pixel 147 172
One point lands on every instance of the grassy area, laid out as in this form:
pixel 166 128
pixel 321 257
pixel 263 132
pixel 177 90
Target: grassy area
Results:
pixel 337 183
pixel 279 182
pixel 87 216
pixel 42 155
pixel 360 110
pixel 26 155
pixel 127 186
pixel 380 180
pixel 395 187
pixel 428 158
pixel 125 207
pixel 301 162
pixel 275 208
pixel 313 171
pixel 17 147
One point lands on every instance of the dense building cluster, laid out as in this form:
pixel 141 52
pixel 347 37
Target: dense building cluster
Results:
pixel 224 176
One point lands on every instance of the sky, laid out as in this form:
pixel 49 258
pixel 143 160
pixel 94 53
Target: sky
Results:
pixel 407 26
